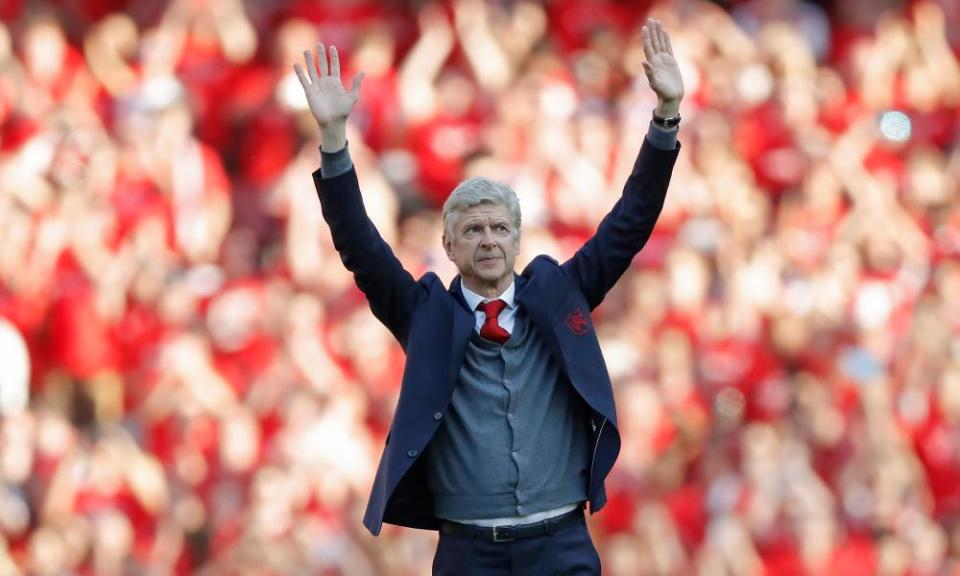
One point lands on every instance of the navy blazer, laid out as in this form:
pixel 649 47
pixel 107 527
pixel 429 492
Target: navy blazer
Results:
pixel 433 325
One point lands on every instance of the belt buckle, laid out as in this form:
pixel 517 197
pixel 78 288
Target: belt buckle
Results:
pixel 504 534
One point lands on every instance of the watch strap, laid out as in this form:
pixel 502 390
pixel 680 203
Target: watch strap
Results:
pixel 668 122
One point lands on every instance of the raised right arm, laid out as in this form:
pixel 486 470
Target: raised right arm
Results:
pixel 391 290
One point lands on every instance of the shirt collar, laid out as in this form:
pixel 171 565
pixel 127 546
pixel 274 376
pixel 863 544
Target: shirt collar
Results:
pixel 473 299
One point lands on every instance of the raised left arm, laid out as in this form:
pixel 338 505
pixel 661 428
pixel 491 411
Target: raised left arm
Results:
pixel 603 259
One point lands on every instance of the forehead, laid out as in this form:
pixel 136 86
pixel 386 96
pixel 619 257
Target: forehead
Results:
pixel 485 211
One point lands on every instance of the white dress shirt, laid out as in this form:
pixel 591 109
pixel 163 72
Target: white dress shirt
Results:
pixel 507 316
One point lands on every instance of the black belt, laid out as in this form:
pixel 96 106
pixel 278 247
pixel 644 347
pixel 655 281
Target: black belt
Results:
pixel 510 533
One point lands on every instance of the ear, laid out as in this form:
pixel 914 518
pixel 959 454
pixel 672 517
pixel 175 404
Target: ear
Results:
pixel 448 246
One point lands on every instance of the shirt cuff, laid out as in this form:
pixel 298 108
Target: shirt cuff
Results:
pixel 662 138
pixel 334 164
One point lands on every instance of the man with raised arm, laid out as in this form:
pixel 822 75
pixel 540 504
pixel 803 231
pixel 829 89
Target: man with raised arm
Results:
pixel 506 427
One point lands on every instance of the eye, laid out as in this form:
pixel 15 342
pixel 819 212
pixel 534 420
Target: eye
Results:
pixel 502 228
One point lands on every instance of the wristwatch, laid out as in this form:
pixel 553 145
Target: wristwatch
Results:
pixel 669 122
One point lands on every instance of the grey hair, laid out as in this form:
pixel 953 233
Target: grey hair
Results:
pixel 475 191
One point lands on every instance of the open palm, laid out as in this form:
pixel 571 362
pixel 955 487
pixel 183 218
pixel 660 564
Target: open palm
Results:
pixel 329 102
pixel 660 66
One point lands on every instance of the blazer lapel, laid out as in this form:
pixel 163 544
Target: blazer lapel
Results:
pixel 463 325
pixel 540 299
pixel 532 300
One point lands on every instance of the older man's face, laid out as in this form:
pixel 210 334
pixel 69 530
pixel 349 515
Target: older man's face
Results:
pixel 484 246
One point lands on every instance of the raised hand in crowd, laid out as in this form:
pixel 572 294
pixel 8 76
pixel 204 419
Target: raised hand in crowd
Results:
pixel 423 63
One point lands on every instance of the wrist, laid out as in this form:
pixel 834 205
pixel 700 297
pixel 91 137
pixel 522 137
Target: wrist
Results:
pixel 667 108
pixel 333 137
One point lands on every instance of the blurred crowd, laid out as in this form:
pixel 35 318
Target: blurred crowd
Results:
pixel 190 382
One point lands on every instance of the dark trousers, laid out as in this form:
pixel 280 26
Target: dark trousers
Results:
pixel 567 552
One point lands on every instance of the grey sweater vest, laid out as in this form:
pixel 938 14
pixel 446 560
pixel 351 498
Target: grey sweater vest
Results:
pixel 514 440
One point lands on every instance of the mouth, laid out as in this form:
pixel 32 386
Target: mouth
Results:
pixel 488 259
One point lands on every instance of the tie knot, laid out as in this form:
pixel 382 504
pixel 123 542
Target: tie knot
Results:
pixel 492 308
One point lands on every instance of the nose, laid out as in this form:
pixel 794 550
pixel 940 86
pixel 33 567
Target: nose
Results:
pixel 487 238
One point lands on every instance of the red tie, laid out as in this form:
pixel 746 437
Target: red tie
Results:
pixel 491 329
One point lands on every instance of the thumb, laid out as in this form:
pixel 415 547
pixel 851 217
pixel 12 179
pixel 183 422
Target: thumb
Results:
pixel 357 83
pixel 648 71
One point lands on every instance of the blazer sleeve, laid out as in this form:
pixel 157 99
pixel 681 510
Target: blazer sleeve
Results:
pixel 390 289
pixel 622 233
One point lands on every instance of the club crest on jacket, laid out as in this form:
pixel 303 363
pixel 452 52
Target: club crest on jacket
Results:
pixel 578 322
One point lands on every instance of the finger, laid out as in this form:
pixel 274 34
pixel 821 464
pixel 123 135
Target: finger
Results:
pixel 666 42
pixel 304 81
pixel 655 37
pixel 647 43
pixel 322 55
pixel 664 38
pixel 357 83
pixel 311 67
pixel 334 62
